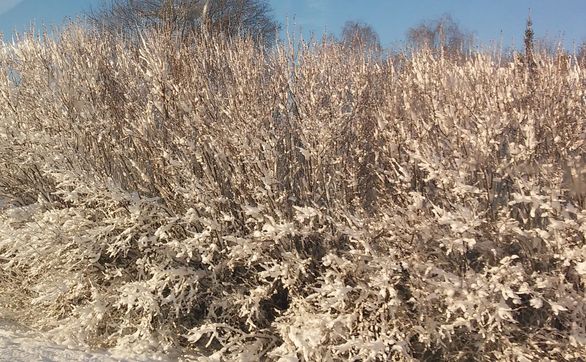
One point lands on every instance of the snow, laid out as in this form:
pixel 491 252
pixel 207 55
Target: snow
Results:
pixel 20 345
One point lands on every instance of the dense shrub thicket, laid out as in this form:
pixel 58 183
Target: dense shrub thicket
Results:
pixel 305 203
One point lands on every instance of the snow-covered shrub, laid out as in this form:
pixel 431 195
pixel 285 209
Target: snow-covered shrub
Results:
pixel 299 203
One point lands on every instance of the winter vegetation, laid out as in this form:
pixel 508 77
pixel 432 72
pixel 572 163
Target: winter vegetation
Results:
pixel 187 191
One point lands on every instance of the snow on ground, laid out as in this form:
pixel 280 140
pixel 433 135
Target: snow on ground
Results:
pixel 16 344
pixel 20 345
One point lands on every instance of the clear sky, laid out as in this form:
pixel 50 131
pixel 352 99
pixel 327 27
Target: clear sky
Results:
pixel 490 20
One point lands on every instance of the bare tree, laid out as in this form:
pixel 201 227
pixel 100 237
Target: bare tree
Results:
pixel 443 34
pixel 359 35
pixel 230 17
pixel 529 42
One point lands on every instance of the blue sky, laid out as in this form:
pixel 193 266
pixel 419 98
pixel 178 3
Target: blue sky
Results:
pixel 490 20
